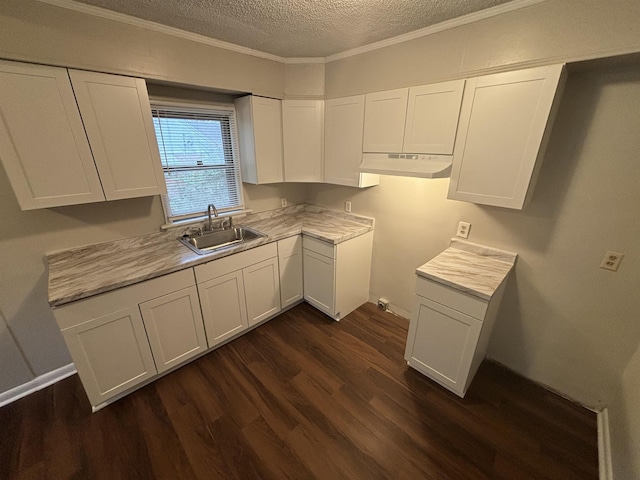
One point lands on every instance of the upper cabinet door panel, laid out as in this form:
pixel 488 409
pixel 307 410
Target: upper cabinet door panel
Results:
pixel 260 137
pixel 504 125
pixel 43 145
pixel 343 132
pixel 384 119
pixel 117 119
pixel 432 118
pixel 267 124
pixel 302 131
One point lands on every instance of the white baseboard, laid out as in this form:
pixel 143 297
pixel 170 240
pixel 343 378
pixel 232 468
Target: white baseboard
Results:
pixel 604 446
pixel 36 384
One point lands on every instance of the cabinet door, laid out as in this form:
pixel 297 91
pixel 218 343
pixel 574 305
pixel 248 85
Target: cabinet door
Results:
pixel 43 145
pixel 319 281
pixel 262 290
pixel 290 263
pixel 441 343
pixel 432 118
pixel 117 118
pixel 223 307
pixel 260 138
pixel 174 327
pixel 302 130
pixel 344 130
pixel 384 118
pixel 504 124
pixel 111 353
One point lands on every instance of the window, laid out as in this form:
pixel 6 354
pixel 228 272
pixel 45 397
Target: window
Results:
pixel 198 149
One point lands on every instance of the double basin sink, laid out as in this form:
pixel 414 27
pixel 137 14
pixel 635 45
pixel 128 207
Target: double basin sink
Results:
pixel 212 241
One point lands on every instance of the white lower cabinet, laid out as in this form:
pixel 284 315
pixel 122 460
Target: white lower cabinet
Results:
pixel 108 342
pixel 290 264
pixel 262 290
pixel 120 340
pixel 223 307
pixel 449 333
pixel 336 277
pixel 238 291
pixel 174 327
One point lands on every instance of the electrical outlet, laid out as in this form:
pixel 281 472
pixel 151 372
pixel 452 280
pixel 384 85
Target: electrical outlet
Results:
pixel 283 202
pixel 383 304
pixel 463 229
pixel 612 261
pixel 347 206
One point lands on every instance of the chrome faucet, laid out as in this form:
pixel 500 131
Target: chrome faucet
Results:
pixel 211 208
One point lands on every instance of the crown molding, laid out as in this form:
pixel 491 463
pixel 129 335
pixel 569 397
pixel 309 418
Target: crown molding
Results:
pixel 439 27
pixel 305 60
pixel 176 32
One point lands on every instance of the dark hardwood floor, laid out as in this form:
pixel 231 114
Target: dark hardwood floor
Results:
pixel 303 397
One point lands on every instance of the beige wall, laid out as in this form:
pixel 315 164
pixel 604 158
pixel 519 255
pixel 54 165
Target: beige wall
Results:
pixel 41 33
pixel 554 31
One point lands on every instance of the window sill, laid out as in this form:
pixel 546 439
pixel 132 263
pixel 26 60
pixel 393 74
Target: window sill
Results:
pixel 201 219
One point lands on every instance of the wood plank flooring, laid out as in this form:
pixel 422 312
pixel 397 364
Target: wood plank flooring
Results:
pixel 303 397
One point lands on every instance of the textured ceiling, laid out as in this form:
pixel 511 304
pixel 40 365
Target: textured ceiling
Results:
pixel 297 28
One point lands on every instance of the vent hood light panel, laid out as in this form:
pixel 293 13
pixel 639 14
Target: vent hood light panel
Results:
pixel 407 164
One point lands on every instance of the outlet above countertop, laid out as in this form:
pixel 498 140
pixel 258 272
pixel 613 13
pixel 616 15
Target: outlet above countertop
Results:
pixel 82 272
pixel 469 267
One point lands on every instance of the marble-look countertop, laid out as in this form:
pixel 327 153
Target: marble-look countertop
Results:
pixel 470 268
pixel 85 271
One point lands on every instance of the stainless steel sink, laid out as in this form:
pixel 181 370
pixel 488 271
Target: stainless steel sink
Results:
pixel 209 242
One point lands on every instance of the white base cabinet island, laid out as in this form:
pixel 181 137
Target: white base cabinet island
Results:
pixel 458 295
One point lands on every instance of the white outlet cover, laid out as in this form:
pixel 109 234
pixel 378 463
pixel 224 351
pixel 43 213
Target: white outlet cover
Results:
pixel 611 261
pixel 463 229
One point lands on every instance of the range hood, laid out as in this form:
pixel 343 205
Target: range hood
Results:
pixel 407 164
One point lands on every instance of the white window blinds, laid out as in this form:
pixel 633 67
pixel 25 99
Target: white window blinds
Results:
pixel 198 148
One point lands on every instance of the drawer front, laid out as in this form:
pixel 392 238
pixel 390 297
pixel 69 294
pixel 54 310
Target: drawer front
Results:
pixel 323 248
pixel 452 298
pixel 290 246
pixel 237 261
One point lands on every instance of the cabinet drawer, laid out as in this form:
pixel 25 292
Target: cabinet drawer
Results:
pixel 455 299
pixel 237 261
pixel 290 246
pixel 323 248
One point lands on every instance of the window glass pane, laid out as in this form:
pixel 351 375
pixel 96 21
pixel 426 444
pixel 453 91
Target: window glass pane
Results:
pixel 198 151
pixel 192 190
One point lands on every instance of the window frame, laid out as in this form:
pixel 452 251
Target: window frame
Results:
pixel 158 103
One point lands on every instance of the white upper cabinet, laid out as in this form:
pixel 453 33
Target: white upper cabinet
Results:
pixel 384 119
pixel 43 145
pixel 69 137
pixel 420 119
pixel 432 118
pixel 117 118
pixel 504 125
pixel 343 133
pixel 302 129
pixel 260 138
